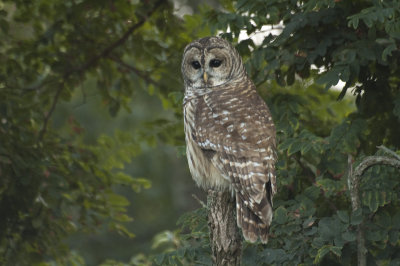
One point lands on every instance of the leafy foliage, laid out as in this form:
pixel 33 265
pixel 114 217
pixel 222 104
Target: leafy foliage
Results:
pixel 313 221
pixel 57 180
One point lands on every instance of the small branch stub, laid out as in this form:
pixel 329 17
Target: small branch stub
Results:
pixel 225 238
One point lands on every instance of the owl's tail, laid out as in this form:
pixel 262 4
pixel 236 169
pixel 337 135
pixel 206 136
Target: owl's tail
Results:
pixel 255 222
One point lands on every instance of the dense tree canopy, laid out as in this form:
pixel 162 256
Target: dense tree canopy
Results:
pixel 64 169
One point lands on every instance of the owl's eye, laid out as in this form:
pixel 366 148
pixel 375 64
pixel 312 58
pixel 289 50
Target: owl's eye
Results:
pixel 196 64
pixel 215 63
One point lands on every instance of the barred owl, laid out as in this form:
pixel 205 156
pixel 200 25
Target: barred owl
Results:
pixel 229 132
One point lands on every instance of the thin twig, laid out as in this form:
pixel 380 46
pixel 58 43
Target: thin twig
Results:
pixel 50 112
pixel 307 171
pixel 199 201
pixel 388 151
pixel 138 72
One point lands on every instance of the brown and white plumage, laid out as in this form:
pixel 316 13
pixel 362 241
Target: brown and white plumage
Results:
pixel 229 132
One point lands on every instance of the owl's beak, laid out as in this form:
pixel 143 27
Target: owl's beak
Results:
pixel 205 77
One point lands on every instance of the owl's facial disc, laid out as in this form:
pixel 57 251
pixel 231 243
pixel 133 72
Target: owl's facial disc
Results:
pixel 207 67
pixel 217 65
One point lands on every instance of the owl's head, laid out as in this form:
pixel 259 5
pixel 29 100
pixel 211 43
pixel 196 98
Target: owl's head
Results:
pixel 211 62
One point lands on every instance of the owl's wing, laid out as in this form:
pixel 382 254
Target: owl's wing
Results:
pixel 237 125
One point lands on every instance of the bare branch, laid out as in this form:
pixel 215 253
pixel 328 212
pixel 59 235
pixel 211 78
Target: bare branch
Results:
pixel 42 132
pixel 138 72
pixel 389 151
pixel 374 160
pixel 354 179
pixel 353 183
pixel 199 201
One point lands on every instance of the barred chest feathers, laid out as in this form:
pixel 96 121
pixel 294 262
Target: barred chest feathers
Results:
pixel 203 171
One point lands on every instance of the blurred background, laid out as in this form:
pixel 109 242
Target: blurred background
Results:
pixel 92 153
pixel 154 209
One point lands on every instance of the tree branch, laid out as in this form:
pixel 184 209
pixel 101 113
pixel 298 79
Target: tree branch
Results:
pixel 138 72
pixel 199 201
pixel 389 151
pixel 42 132
pixel 374 160
pixel 91 62
pixel 354 183
pixel 121 40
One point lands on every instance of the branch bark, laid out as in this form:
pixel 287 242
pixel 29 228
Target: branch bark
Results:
pixel 354 183
pixel 225 238
pixel 353 180
pixel 374 160
pixel 388 151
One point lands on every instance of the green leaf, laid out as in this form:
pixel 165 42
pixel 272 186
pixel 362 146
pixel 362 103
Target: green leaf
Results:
pixel 374 235
pixel 330 186
pixel 286 143
pixel 311 232
pixel 343 216
pixel 329 227
pixel 371 199
pixel 139 183
pixel 388 51
pixel 349 236
pixel 117 200
pixel 356 217
pixel 121 230
pixel 312 192
pixel 336 250
pixel 273 255
pixel 123 178
pixel 330 77
pixel 159 259
pixel 280 215
pixel 322 253
pixel 353 22
pixel 295 147
pixel 394 236
pixel 325 250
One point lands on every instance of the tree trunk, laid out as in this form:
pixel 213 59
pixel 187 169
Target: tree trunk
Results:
pixel 225 238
